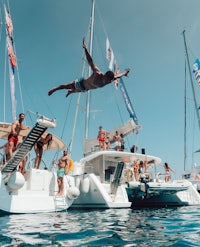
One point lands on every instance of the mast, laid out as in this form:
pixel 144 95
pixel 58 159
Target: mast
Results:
pixel 192 83
pixel 185 122
pixel 89 71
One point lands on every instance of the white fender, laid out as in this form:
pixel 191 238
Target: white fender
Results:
pixel 77 182
pixel 16 181
pixel 85 185
pixel 72 192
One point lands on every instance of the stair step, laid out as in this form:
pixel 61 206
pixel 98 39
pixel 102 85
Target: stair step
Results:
pixel 34 135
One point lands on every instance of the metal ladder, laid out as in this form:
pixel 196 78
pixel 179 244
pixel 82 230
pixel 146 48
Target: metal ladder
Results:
pixel 60 203
pixel 24 148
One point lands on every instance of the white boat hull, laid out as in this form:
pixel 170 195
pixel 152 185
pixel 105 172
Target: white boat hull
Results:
pixel 37 195
pixel 104 173
pixel 98 195
pixel 156 194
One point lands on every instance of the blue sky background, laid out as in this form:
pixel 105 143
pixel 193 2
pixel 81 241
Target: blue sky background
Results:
pixel 146 36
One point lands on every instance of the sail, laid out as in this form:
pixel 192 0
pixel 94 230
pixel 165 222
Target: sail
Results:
pixel 5 129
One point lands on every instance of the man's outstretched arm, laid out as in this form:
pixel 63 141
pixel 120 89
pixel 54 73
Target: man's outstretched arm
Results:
pixel 125 73
pixel 88 56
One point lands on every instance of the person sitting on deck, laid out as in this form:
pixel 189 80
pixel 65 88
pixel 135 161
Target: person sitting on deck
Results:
pixel 96 80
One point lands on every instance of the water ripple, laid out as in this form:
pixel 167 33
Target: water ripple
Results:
pixel 113 227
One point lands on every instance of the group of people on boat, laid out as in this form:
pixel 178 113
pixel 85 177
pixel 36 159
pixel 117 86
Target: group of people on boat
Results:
pixel 65 163
pixel 105 139
pixel 141 170
pixel 13 143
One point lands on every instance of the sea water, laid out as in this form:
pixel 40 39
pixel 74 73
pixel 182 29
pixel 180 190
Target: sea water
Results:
pixel 112 227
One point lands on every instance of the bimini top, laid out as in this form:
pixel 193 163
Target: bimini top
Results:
pixel 5 129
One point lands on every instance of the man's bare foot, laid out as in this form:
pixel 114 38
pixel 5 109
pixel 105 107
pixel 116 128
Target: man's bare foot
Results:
pixel 51 91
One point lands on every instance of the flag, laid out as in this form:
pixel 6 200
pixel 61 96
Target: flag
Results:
pixel 11 54
pixel 127 101
pixel 116 72
pixel 109 54
pixel 196 70
pixel 9 25
pixel 108 50
pixel 12 92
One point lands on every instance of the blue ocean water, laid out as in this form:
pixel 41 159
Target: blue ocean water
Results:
pixel 112 227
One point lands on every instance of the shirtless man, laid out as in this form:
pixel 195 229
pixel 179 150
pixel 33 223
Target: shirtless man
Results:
pixel 102 138
pixel 63 169
pixel 96 80
pixel 17 125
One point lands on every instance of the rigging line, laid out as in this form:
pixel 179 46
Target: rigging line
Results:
pixel 17 68
pixel 1 24
pixel 76 112
pixel 121 118
pixel 18 77
pixel 191 80
pixel 193 137
pixel 66 118
pixel 5 70
pixel 29 114
pixel 101 20
pixel 185 119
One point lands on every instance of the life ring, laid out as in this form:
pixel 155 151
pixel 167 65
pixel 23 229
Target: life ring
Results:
pixel 128 175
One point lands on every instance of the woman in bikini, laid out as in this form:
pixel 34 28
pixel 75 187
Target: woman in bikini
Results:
pixel 39 146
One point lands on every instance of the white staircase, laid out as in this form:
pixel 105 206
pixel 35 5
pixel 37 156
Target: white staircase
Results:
pixel 24 148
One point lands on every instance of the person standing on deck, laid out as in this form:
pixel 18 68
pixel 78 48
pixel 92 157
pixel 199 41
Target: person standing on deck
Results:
pixel 65 164
pixel 17 125
pixel 39 147
pixel 167 172
pixel 102 138
pixel 96 80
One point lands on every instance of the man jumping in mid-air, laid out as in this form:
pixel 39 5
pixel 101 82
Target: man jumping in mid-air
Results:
pixel 96 80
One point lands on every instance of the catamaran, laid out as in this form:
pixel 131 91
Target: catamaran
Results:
pixel 36 190
pixel 106 179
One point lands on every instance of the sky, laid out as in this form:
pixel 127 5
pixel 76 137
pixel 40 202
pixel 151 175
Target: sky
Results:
pixel 146 36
